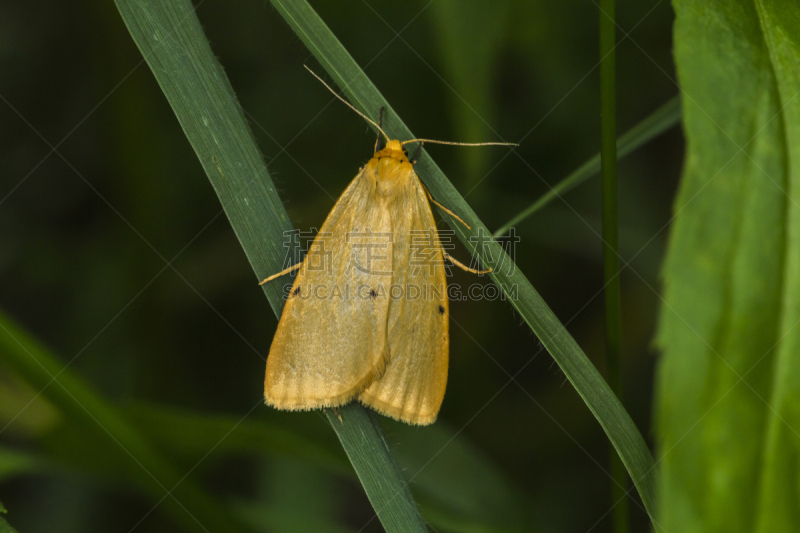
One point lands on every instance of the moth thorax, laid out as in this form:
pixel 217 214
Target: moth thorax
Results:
pixel 391 175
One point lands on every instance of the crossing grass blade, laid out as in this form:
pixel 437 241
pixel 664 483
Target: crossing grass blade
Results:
pixel 598 397
pixel 654 125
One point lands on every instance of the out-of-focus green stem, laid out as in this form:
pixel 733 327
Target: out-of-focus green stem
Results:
pixel 608 171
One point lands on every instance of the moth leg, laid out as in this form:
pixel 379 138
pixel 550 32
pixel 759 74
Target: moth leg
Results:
pixel 445 209
pixel 282 272
pixel 463 266
pixel 338 414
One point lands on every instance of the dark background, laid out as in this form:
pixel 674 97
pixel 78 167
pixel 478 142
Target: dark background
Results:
pixel 82 237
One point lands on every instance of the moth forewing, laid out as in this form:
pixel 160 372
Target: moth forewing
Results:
pixel 413 385
pixel 331 339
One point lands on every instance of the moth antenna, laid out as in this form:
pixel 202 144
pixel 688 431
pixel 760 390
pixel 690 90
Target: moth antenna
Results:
pixel 348 104
pixel 457 144
pixel 378 146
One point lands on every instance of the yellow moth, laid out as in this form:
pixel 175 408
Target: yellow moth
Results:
pixel 367 315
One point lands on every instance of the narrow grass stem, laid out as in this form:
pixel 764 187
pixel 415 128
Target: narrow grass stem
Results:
pixel 608 171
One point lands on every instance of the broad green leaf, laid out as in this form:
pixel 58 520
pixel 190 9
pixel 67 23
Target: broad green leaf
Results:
pixel 579 370
pixel 779 500
pixel 172 42
pixel 727 401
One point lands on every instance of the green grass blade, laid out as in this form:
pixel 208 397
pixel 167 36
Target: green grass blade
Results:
pixel 110 432
pixel 363 440
pixel 654 125
pixel 579 370
pixel 171 40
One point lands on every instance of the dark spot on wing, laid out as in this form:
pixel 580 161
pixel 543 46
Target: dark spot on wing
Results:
pixel 296 291
pixel 441 310
pixel 372 294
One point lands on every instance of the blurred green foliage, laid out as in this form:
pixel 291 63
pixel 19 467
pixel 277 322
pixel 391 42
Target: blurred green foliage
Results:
pixel 4 527
pixel 192 341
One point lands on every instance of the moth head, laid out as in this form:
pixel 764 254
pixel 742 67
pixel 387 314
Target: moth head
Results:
pixel 393 149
